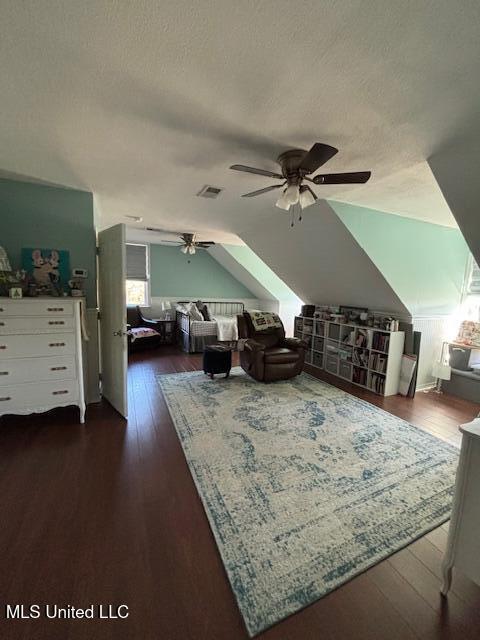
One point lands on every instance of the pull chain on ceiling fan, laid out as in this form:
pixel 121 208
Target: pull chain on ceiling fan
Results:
pixel 296 165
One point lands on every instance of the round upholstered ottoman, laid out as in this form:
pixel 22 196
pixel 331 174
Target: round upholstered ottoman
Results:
pixel 217 359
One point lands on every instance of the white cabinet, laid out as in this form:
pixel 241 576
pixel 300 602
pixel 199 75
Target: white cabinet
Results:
pixel 367 356
pixel 463 547
pixel 41 363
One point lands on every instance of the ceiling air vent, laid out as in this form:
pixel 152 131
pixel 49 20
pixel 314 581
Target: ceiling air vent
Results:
pixel 209 192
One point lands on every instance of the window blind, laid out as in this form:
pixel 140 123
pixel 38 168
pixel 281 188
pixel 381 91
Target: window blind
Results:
pixel 136 262
pixel 474 287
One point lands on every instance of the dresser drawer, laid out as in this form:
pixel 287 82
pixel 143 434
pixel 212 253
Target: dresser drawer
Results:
pixel 37 396
pixel 35 324
pixel 26 307
pixel 18 346
pixel 21 370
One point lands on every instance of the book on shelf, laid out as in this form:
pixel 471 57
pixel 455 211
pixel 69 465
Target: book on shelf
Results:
pixel 360 357
pixel 359 376
pixel 378 362
pixel 361 339
pixel 380 341
pixel 377 383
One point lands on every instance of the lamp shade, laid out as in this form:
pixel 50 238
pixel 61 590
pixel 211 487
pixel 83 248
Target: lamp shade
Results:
pixel 292 194
pixel 282 202
pixel 306 198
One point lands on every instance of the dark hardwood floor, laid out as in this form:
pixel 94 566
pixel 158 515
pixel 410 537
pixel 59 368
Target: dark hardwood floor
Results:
pixel 107 513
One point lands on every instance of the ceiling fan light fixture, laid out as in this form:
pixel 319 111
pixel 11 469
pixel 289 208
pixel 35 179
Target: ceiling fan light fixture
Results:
pixel 191 250
pixel 292 194
pixel 306 198
pixel 184 248
pixel 282 203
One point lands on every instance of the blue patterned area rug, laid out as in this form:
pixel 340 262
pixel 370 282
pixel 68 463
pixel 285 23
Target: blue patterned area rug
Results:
pixel 304 485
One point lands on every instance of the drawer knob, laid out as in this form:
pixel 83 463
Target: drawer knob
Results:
pixel 3 346
pixel 59 393
pixel 58 368
pixel 2 324
pixel 56 344
pixel 5 399
pixel 4 373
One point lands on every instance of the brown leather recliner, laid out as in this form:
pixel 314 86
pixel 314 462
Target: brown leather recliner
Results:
pixel 269 355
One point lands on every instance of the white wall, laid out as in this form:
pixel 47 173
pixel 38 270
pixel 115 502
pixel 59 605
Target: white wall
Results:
pixel 320 259
pixel 240 272
pixel 434 330
pixel 455 167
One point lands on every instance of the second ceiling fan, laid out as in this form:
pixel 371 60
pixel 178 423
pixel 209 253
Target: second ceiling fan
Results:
pixel 187 242
pixel 296 167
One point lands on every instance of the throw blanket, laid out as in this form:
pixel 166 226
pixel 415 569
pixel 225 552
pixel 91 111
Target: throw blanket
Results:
pixel 263 320
pixel 227 328
pixel 141 332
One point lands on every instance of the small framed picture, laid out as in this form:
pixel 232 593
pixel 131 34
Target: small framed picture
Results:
pixel 15 292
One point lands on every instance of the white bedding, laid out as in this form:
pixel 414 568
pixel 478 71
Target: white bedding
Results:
pixel 227 328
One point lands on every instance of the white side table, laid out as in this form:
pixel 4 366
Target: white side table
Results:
pixel 463 547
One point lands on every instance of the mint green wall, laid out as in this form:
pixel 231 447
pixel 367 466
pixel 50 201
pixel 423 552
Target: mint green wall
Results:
pixel 424 263
pixel 172 273
pixel 261 272
pixel 35 215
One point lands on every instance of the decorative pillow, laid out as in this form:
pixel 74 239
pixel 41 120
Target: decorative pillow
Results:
pixel 193 312
pixel 264 320
pixel 182 308
pixel 202 307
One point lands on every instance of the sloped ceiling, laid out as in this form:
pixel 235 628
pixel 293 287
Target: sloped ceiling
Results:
pixel 248 267
pixel 456 168
pixel 144 102
pixel 320 260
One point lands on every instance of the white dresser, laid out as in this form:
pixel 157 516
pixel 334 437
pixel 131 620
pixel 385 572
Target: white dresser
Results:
pixel 463 548
pixel 40 355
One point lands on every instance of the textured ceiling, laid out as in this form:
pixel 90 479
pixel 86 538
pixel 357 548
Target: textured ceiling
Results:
pixel 143 103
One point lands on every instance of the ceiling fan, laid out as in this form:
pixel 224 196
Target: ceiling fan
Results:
pixel 188 242
pixel 296 165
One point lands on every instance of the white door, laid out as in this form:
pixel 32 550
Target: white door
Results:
pixel 113 316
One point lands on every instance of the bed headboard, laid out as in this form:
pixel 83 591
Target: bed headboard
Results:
pixel 222 308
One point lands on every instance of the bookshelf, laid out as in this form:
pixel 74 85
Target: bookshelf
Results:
pixel 366 356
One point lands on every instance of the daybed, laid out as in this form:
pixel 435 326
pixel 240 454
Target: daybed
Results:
pixel 194 335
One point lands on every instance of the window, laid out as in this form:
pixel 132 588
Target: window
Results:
pixel 137 293
pixel 137 288
pixel 471 303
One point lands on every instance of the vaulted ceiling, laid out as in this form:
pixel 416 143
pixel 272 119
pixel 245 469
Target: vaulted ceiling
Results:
pixel 144 103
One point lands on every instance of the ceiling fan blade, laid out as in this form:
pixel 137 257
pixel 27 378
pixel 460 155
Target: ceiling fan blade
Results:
pixel 260 172
pixel 204 245
pixel 358 177
pixel 260 191
pixel 319 154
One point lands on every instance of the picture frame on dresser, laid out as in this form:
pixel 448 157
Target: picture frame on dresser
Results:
pixel 41 362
